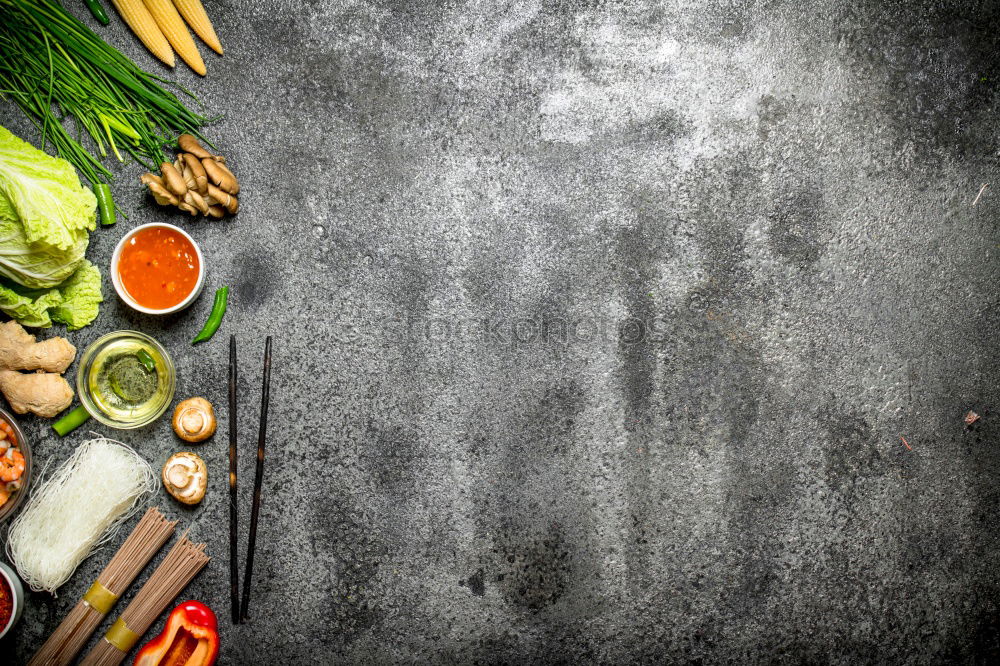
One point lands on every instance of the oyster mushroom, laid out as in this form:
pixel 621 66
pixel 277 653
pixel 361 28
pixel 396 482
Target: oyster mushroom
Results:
pixel 185 477
pixel 194 420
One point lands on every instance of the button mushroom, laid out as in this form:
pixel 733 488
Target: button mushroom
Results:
pixel 185 477
pixel 194 420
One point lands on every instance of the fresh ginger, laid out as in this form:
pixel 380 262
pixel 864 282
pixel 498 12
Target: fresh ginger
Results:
pixel 42 393
pixel 19 351
pixel 45 392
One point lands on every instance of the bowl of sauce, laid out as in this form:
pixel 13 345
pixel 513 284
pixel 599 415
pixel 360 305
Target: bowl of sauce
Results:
pixel 157 269
pixel 11 598
pixel 126 379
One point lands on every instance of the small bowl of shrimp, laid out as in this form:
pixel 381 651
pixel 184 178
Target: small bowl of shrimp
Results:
pixel 15 465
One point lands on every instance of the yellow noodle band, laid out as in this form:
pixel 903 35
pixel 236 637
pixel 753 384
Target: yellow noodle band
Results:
pixel 100 598
pixel 120 636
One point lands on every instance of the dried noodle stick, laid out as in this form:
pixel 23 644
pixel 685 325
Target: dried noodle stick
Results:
pixel 178 568
pixel 68 639
pixel 76 510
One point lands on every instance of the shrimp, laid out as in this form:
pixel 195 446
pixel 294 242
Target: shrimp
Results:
pixel 8 432
pixel 4 496
pixel 11 465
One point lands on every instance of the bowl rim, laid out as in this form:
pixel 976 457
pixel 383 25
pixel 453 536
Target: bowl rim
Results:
pixel 11 507
pixel 123 293
pixel 7 570
pixel 85 360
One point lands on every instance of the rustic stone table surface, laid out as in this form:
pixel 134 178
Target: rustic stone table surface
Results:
pixel 596 328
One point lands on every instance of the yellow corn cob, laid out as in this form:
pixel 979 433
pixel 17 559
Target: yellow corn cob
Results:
pixel 139 19
pixel 173 28
pixel 194 13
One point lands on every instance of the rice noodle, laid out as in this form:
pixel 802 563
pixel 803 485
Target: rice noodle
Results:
pixel 76 510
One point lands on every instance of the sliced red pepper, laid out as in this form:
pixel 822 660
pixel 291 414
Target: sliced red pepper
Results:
pixel 190 638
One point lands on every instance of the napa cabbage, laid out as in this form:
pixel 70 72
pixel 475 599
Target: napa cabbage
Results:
pixel 46 216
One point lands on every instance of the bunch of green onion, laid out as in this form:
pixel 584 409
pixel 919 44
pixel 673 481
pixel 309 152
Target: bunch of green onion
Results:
pixel 54 66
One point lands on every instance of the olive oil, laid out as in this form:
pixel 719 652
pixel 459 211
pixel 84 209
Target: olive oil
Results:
pixel 128 379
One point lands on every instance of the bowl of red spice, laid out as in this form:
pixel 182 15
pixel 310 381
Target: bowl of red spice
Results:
pixel 11 599
pixel 157 269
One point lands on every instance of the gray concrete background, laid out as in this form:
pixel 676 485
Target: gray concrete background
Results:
pixel 597 326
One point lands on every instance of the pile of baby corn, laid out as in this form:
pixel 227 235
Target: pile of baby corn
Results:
pixel 158 24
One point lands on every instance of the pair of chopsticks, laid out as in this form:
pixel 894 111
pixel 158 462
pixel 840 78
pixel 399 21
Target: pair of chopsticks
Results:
pixel 240 608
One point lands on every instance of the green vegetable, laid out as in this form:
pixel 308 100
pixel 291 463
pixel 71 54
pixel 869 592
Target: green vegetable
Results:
pixel 71 421
pixel 81 296
pixel 215 318
pixel 73 303
pixel 46 217
pixel 30 307
pixel 105 204
pixel 53 66
pixel 146 360
pixel 97 10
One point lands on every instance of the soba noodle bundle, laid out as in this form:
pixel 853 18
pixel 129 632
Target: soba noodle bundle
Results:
pixel 76 510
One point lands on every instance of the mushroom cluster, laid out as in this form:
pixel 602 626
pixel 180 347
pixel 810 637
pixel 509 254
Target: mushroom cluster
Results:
pixel 198 182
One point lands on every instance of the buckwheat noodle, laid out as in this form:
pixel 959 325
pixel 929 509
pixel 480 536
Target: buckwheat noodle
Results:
pixel 68 639
pixel 178 568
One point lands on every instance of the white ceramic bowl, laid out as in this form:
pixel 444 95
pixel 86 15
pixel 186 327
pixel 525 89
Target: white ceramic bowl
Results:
pixel 123 294
pixel 17 591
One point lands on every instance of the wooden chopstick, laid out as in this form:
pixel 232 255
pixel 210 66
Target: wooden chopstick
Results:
pixel 234 566
pixel 258 478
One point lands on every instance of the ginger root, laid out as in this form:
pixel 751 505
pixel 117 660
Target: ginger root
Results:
pixel 42 393
pixel 45 392
pixel 19 351
pixel 198 182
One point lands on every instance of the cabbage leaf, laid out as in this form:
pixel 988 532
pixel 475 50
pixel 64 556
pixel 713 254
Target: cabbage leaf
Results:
pixel 46 216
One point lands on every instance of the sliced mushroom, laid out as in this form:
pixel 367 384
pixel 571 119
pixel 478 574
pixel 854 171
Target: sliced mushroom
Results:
pixel 224 199
pixel 220 176
pixel 194 199
pixel 235 189
pixel 198 171
pixel 189 144
pixel 185 477
pixel 194 420
pixel 148 178
pixel 173 179
pixel 161 194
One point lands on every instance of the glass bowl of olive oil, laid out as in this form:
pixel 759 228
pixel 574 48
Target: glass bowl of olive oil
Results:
pixel 126 379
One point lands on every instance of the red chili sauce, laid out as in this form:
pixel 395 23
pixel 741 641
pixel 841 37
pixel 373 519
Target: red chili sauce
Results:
pixel 6 602
pixel 158 267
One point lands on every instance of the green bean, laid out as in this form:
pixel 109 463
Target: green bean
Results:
pixel 105 204
pixel 215 318
pixel 71 421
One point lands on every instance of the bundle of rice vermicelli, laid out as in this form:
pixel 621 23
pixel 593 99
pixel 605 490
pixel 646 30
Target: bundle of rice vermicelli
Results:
pixel 76 510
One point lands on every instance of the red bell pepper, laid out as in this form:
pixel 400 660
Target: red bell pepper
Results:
pixel 190 638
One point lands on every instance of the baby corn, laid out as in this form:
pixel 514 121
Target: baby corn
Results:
pixel 173 28
pixel 141 21
pixel 194 13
